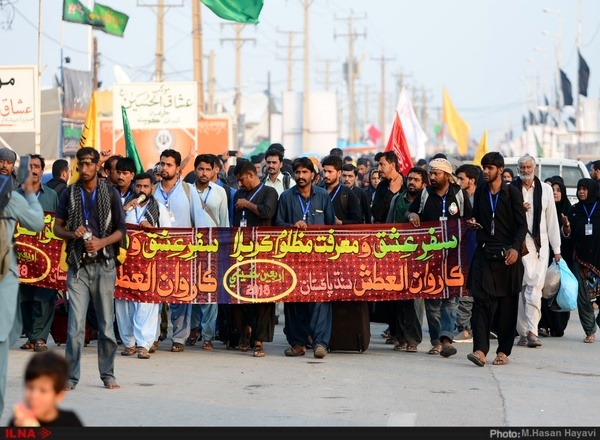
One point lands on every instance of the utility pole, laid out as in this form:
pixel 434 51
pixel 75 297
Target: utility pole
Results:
pixel 211 82
pixel 382 60
pixel 326 73
pixel 424 115
pixel 239 41
pixel 198 56
pixel 350 74
pixel 290 57
pixel 306 87
pixel 159 75
pixel 95 64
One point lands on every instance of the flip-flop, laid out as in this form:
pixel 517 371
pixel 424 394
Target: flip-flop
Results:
pixel 448 351
pixel 476 359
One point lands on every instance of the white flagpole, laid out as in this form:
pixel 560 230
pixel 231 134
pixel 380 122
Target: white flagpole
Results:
pixel 38 103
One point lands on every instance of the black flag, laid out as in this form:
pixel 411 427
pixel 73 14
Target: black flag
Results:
pixel 566 88
pixel 532 120
pixel 584 75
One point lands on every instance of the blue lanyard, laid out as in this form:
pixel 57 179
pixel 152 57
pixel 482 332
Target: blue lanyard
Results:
pixel 207 194
pixel 493 204
pixel 304 207
pixel 139 217
pixel 336 192
pixel 86 211
pixel 167 196
pixel 444 202
pixel 252 198
pixel 589 214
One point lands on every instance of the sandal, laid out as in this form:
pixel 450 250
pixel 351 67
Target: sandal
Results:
pixel 410 348
pixel 296 350
pixel 259 351
pixel 589 339
pixel 245 339
pixel 193 337
pixel 207 345
pixel 177 347
pixel 477 357
pixel 401 347
pixel 129 351
pixel 435 349
pixel 28 346
pixel 40 345
pixel 501 359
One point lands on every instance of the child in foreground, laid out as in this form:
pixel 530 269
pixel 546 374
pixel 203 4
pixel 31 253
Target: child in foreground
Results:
pixel 46 376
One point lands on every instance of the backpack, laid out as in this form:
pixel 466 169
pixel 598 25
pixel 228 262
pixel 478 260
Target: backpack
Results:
pixel 6 242
pixel 286 179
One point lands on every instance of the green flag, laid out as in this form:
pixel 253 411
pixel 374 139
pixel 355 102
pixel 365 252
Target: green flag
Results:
pixel 130 148
pixel 242 11
pixel 75 12
pixel 114 21
pixel 538 147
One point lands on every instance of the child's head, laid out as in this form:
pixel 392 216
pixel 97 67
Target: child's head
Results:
pixel 46 376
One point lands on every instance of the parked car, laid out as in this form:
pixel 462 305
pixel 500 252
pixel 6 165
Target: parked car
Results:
pixel 569 169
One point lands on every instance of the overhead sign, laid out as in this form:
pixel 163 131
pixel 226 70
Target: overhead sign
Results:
pixel 156 105
pixel 19 93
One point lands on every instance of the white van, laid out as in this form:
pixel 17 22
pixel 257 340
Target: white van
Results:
pixel 569 169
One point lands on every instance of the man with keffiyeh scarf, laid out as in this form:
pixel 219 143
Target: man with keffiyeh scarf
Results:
pixel 91 206
pixel 138 321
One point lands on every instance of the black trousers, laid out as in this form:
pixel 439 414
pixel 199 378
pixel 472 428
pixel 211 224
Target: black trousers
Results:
pixel 505 308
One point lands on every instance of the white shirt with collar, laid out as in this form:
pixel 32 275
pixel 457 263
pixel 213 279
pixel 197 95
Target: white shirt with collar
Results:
pixel 278 184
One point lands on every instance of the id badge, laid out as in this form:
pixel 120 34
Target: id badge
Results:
pixel 443 219
pixel 172 216
pixel 243 223
pixel 588 229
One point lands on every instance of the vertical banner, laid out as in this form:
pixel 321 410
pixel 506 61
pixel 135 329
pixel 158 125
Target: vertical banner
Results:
pixel 77 91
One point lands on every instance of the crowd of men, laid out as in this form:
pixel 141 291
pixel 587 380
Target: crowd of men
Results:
pixel 517 216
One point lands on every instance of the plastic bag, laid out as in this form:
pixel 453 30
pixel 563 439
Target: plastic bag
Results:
pixel 552 281
pixel 566 298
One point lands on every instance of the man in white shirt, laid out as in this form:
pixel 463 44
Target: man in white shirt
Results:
pixel 275 177
pixel 185 211
pixel 542 231
pixel 214 201
pixel 138 321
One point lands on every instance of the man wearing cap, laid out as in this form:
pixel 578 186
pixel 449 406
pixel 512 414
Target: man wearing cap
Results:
pixel 444 200
pixel 7 165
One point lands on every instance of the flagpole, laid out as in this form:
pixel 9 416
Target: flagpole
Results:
pixel 90 38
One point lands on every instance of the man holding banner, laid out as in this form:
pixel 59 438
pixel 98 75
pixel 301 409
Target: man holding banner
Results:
pixel 300 206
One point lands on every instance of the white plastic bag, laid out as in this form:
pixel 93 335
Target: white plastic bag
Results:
pixel 552 282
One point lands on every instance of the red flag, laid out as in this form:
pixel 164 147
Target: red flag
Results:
pixel 374 134
pixel 398 144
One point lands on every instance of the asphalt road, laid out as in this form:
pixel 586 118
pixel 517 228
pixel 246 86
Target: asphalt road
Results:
pixel 556 385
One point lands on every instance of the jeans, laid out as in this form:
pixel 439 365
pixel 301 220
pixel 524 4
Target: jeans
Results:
pixel 585 308
pixel 181 316
pixel 95 282
pixel 463 313
pixel 441 318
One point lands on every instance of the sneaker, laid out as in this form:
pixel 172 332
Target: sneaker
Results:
pixel 320 352
pixel 464 336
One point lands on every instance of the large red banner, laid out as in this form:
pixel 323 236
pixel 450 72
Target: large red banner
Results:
pixel 265 264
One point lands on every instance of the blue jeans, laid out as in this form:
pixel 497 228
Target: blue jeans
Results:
pixel 95 282
pixel 181 317
pixel 204 316
pixel 441 318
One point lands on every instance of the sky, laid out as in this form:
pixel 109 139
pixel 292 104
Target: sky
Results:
pixel 492 56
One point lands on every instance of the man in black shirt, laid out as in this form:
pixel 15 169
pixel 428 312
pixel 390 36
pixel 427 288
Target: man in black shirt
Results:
pixel 349 179
pixel 255 205
pixel 60 176
pixel 391 183
pixel 499 218
pixel 345 203
pixel 444 200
